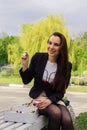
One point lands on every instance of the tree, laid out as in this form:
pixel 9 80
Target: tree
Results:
pixel 4 43
pixel 80 53
pixel 34 36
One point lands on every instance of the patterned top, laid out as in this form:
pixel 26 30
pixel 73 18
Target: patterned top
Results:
pixel 49 72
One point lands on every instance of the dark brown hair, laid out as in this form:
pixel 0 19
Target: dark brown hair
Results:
pixel 59 82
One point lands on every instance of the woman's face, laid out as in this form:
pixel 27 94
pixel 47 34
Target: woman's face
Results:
pixel 54 46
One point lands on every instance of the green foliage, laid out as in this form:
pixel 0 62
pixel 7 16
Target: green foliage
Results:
pixel 34 36
pixel 4 43
pixel 3 52
pixel 81 58
pixel 71 51
pixel 81 122
pixel 79 81
pixel 79 53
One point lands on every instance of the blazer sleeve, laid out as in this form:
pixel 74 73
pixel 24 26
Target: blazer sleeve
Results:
pixel 29 74
pixel 56 97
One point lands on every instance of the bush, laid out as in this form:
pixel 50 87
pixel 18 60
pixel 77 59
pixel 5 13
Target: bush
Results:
pixel 79 80
pixel 81 122
pixel 6 70
pixel 75 81
pixel 83 82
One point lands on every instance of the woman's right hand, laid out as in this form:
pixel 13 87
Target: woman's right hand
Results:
pixel 42 103
pixel 25 60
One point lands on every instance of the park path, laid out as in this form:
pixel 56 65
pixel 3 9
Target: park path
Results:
pixel 78 101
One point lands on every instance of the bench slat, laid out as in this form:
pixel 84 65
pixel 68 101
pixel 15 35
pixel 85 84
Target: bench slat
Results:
pixel 4 125
pixel 24 127
pixel 39 124
pixel 13 126
pixel 1 117
pixel 1 122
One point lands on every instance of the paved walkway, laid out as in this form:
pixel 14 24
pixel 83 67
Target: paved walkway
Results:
pixel 78 101
pixel 13 96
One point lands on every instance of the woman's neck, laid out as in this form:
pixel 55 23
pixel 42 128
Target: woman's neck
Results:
pixel 52 59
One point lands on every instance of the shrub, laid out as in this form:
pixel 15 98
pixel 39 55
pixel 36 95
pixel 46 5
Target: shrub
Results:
pixel 81 122
pixel 6 71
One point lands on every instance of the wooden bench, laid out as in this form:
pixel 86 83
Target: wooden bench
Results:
pixel 7 125
pixel 37 125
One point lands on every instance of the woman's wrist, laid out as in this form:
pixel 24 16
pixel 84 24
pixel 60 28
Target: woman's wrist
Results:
pixel 24 69
pixel 49 101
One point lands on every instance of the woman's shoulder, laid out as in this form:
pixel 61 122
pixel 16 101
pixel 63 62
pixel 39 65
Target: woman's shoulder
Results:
pixel 69 64
pixel 40 54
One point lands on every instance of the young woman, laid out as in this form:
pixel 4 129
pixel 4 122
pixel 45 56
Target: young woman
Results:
pixel 51 72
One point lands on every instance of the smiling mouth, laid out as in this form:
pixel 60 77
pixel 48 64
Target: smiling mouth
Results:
pixel 51 52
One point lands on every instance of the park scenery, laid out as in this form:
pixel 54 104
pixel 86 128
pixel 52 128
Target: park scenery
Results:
pixel 33 38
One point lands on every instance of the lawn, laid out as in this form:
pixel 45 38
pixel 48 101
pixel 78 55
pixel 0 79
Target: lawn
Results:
pixel 18 80
pixel 81 122
pixel 11 80
pixel 77 88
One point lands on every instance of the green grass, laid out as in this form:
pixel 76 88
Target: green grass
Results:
pixel 81 122
pixel 77 88
pixel 11 80
pixel 18 80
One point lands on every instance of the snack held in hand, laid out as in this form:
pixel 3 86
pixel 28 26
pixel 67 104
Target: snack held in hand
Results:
pixel 25 56
pixel 35 102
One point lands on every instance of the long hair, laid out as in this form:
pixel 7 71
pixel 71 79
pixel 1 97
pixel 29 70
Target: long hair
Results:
pixel 59 82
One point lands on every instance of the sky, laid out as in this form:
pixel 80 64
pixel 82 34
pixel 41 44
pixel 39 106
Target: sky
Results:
pixel 14 13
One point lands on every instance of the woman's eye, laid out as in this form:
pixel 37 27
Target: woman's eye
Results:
pixel 57 44
pixel 50 42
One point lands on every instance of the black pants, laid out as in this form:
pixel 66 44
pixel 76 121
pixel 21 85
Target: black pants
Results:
pixel 58 115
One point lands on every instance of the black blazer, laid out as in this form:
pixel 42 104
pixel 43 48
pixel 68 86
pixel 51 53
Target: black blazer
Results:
pixel 35 70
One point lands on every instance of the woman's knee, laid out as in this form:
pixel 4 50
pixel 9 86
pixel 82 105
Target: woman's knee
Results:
pixel 54 112
pixel 67 120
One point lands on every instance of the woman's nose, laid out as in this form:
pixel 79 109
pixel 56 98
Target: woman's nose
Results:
pixel 51 46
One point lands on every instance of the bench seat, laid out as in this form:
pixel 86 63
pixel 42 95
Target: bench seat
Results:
pixel 7 125
pixel 39 124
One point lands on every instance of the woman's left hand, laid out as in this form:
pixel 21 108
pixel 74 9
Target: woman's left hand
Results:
pixel 43 103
